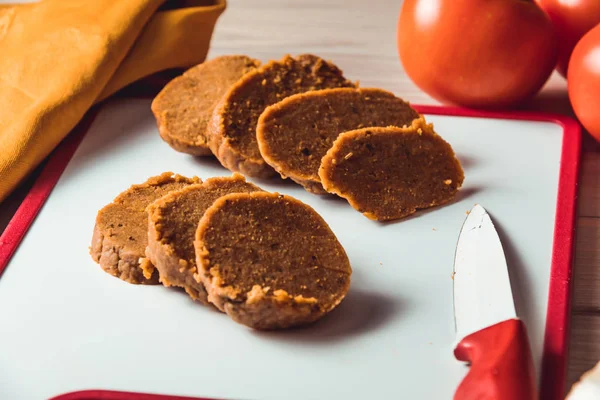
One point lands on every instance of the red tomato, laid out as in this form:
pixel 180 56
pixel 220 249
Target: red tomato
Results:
pixel 476 53
pixel 572 19
pixel 583 80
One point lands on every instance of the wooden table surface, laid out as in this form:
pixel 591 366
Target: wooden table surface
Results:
pixel 360 36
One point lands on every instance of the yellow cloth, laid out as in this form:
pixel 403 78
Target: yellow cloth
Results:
pixel 60 57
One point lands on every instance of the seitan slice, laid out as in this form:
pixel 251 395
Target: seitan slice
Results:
pixel 270 261
pixel 184 106
pixel 389 173
pixel 121 231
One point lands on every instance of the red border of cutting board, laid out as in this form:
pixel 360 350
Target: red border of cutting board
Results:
pixel 556 336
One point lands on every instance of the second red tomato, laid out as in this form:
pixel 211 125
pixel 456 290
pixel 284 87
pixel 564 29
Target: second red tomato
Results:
pixel 584 81
pixel 572 19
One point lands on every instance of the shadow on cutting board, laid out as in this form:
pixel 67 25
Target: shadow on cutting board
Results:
pixel 275 182
pixel 466 161
pixel 520 280
pixel 360 312
pixel 209 162
pixel 462 194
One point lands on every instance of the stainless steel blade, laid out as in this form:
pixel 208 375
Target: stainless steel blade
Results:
pixel 482 292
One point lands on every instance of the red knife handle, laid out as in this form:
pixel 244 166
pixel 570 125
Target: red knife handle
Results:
pixel 501 364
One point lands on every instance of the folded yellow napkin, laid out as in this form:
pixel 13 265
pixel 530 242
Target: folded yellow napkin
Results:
pixel 60 57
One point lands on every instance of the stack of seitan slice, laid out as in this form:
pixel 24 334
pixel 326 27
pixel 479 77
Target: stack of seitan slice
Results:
pixel 294 134
pixel 172 223
pixel 267 260
pixel 365 145
pixel 285 116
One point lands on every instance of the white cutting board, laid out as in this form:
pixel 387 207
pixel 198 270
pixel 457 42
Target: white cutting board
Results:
pixel 66 325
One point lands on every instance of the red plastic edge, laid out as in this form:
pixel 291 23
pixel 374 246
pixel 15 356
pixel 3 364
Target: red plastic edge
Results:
pixel 556 336
pixel 116 395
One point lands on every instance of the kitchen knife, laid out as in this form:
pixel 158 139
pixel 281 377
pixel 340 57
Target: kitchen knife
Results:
pixel 490 336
